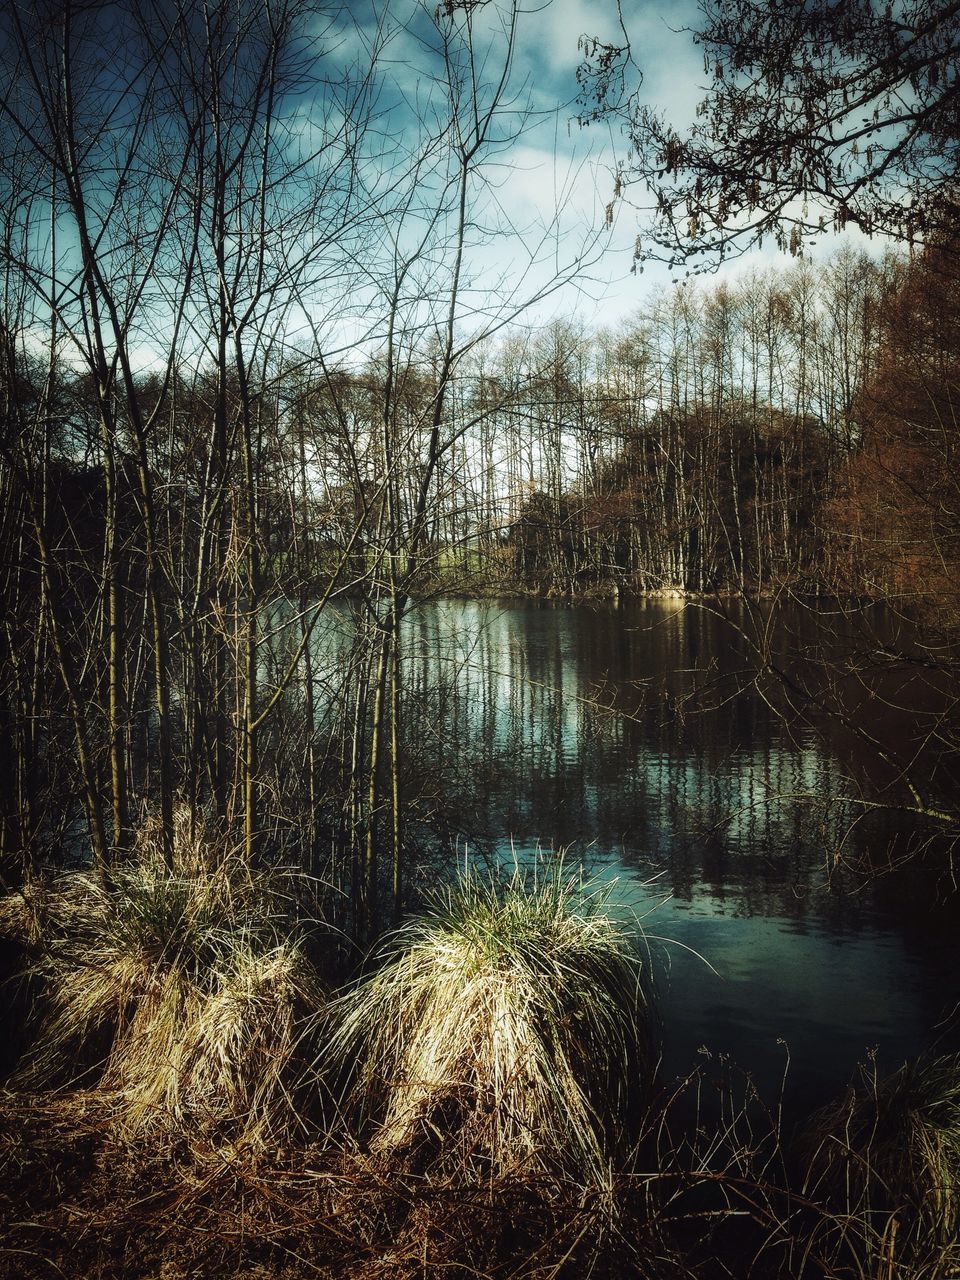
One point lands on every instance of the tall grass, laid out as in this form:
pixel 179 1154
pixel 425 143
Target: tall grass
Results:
pixel 505 1032
pixel 886 1160
pixel 493 1073
pixel 187 994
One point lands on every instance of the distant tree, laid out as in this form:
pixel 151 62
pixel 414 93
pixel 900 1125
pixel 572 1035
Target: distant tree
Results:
pixel 816 115
pixel 899 511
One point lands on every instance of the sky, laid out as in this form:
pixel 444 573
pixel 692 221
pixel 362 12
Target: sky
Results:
pixel 672 80
pixel 544 183
pixel 558 169
pixel 559 156
pixel 539 200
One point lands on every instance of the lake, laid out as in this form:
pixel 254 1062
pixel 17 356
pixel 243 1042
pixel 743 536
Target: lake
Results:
pixel 633 738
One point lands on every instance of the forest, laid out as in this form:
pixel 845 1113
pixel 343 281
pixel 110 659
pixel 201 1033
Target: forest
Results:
pixel 784 436
pixel 258 380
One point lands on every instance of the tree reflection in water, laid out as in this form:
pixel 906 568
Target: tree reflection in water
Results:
pixel 633 738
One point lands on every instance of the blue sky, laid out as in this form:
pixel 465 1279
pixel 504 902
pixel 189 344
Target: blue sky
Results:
pixel 538 201
pixel 555 174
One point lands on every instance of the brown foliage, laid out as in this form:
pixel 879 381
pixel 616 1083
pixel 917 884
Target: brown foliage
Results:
pixel 814 116
pixel 895 523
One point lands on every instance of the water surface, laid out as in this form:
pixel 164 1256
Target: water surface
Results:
pixel 725 826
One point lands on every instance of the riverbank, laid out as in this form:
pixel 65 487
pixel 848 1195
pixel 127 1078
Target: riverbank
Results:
pixel 482 1099
pixel 447 579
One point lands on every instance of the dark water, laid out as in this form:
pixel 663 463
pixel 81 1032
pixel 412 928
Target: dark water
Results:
pixel 729 830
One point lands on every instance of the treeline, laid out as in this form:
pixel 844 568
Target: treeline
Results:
pixel 694 448
pixel 789 430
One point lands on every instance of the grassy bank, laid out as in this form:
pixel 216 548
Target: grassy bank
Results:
pixel 481 1099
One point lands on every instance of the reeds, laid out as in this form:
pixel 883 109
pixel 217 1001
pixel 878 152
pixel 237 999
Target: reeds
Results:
pixel 492 1070
pixel 186 993
pixel 505 1032
pixel 886 1160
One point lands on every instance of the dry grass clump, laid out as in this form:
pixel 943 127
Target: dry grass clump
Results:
pixel 887 1161
pixel 185 993
pixel 504 1033
pixel 44 908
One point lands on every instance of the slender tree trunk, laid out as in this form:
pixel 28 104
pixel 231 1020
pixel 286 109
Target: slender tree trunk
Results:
pixel 368 908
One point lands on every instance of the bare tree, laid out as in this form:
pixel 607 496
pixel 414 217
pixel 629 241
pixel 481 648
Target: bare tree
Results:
pixel 817 115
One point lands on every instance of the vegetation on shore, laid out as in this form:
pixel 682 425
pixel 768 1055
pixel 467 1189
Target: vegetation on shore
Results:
pixel 504 1033
pixel 481 1099
pixel 186 994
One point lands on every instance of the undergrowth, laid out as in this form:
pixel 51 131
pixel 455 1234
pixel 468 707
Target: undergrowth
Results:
pixel 482 1101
